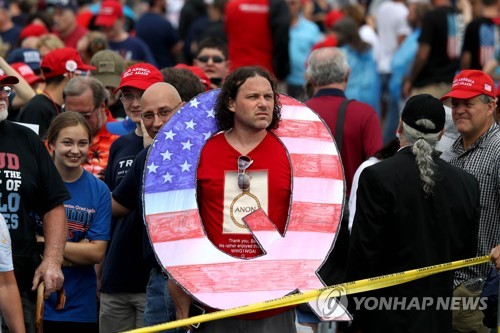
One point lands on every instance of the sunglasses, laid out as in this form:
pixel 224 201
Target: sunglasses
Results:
pixel 244 163
pixel 215 59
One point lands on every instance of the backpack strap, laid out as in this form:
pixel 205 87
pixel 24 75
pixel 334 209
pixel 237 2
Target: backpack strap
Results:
pixel 339 128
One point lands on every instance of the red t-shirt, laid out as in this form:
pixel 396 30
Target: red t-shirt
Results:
pixel 249 46
pixel 222 203
pixel 219 195
pixel 72 39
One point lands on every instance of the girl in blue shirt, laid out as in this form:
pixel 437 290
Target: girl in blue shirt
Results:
pixel 89 215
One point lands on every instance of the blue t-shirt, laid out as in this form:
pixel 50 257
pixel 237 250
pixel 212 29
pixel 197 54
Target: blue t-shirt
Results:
pixel 159 35
pixel 303 36
pixel 133 48
pixel 89 216
pixel 363 78
pixel 11 36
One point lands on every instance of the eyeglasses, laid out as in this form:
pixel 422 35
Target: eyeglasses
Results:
pixel 162 114
pixel 86 115
pixel 244 163
pixel 129 98
pixel 215 59
pixel 6 90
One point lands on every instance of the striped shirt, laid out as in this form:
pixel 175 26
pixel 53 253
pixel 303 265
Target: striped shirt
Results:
pixel 482 160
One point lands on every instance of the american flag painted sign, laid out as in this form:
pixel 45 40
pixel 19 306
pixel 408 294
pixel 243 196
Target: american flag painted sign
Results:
pixel 290 263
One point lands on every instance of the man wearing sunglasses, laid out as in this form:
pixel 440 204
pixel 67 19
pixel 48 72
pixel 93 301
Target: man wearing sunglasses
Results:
pixel 242 169
pixel 31 189
pixel 212 58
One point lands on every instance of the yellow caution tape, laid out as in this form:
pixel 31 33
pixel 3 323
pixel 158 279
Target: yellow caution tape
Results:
pixel 345 288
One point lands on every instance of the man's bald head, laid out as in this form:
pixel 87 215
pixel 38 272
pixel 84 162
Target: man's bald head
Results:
pixel 159 103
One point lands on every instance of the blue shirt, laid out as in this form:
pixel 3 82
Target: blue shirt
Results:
pixel 159 35
pixel 303 36
pixel 89 216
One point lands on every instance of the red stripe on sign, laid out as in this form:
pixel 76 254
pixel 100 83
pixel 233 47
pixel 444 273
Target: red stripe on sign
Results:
pixel 166 227
pixel 292 128
pixel 310 217
pixel 317 166
pixel 211 281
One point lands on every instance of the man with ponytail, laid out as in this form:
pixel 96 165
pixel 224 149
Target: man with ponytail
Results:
pixel 413 210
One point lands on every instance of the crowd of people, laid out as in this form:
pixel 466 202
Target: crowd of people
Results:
pixel 408 90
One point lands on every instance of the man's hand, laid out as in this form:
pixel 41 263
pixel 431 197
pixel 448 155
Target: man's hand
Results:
pixel 54 230
pixel 147 140
pixel 181 300
pixel 495 256
pixel 51 274
pixel 406 88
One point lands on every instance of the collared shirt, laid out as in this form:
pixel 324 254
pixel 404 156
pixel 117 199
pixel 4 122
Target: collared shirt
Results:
pixel 482 160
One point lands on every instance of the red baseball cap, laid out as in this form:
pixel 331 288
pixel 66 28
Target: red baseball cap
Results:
pixel 33 30
pixel 109 12
pixel 198 72
pixel 26 72
pixel 61 61
pixel 471 83
pixel 140 76
pixel 8 80
pixel 332 17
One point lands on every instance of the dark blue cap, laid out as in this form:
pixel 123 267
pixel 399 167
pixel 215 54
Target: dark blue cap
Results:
pixel 30 57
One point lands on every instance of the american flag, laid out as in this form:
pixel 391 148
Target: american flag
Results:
pixel 290 262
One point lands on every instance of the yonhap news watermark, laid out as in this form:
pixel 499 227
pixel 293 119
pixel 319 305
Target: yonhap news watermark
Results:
pixel 332 301
pixel 420 303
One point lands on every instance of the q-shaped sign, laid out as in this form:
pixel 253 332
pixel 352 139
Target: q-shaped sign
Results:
pixel 290 262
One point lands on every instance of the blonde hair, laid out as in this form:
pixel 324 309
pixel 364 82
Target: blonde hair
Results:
pixel 50 41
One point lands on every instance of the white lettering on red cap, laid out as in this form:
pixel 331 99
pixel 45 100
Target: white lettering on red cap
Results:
pixel 25 70
pixel 244 7
pixel 463 81
pixel 136 71
pixel 106 11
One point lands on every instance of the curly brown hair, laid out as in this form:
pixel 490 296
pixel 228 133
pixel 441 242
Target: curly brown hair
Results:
pixel 230 88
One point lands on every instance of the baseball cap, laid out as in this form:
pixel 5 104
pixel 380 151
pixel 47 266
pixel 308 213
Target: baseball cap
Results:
pixel 109 67
pixel 140 76
pixel 198 72
pixel 33 30
pixel 424 106
pixel 61 61
pixel 471 83
pixel 66 4
pixel 109 12
pixel 121 127
pixel 26 72
pixel 332 17
pixel 30 57
pixel 7 79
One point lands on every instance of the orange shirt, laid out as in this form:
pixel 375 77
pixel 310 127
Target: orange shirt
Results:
pixel 97 159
